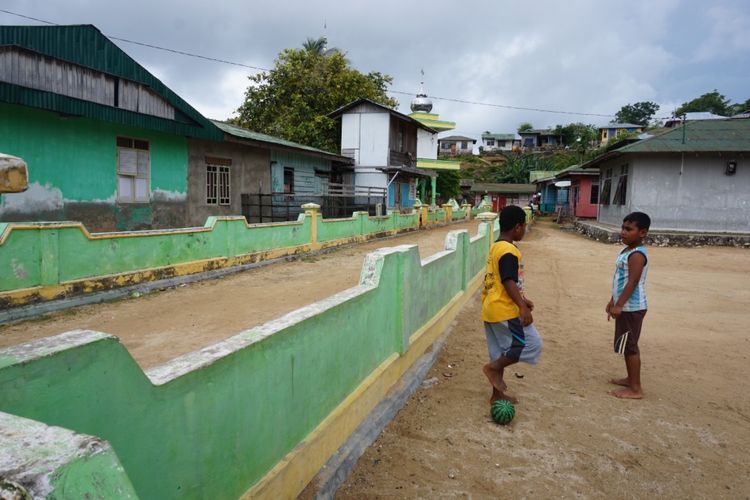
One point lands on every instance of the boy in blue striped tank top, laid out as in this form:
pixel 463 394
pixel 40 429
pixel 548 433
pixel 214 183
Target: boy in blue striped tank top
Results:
pixel 628 304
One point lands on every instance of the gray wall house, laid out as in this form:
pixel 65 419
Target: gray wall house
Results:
pixel 264 170
pixel 696 179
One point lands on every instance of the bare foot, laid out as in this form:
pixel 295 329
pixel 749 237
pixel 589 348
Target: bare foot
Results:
pixel 508 397
pixel 619 381
pixel 495 378
pixel 495 395
pixel 627 393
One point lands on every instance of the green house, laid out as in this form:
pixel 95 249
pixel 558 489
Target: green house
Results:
pixel 106 142
pixel 109 145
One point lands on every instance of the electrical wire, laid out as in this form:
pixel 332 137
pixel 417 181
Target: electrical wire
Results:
pixel 390 91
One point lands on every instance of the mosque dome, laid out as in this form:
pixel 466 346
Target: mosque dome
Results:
pixel 421 103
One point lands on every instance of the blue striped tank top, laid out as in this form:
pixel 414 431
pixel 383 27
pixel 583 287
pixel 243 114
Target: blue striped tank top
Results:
pixel 637 300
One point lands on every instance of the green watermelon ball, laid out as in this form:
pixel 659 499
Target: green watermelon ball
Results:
pixel 502 411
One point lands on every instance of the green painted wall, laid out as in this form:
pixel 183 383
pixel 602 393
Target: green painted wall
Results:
pixel 47 255
pixel 211 424
pixel 78 155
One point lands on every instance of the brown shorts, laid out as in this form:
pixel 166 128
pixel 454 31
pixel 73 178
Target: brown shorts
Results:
pixel 628 331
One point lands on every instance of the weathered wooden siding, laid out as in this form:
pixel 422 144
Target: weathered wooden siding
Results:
pixel 32 70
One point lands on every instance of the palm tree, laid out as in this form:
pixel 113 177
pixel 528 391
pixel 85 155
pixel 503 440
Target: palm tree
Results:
pixel 316 46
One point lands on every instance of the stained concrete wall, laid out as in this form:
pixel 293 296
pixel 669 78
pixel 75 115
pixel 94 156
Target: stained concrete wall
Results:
pixel 73 172
pixel 213 423
pixel 45 261
pixel 687 192
pixel 250 172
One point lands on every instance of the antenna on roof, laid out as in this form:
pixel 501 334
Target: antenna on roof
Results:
pixel 683 127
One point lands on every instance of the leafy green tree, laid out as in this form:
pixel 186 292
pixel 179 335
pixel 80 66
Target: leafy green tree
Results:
pixel 524 127
pixel 448 184
pixel 713 102
pixel 293 99
pixel 740 107
pixel 639 113
pixel 578 135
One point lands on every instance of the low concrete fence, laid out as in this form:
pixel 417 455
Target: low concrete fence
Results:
pixel 256 415
pixel 45 261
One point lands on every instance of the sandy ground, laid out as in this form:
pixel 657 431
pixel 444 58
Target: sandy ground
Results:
pixel 163 325
pixel 689 438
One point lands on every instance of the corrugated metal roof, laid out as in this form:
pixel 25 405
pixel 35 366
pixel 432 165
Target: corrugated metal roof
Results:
pixel 243 133
pixel 620 125
pixel 86 46
pixel 706 136
pixel 700 136
pixel 490 187
pixel 534 175
pixel 346 107
pixel 499 137
pixel 457 138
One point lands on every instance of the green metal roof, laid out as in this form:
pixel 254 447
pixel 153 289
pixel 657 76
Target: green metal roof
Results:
pixel 500 137
pixel 706 136
pixel 86 46
pixel 243 133
pixel 536 175
pixel 491 187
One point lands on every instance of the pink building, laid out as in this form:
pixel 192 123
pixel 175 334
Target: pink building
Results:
pixel 584 190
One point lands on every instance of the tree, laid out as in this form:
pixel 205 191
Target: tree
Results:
pixel 740 107
pixel 293 99
pixel 524 127
pixel 639 113
pixel 578 135
pixel 448 184
pixel 713 102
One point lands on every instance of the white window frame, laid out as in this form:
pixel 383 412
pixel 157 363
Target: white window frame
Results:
pixel 125 173
pixel 222 188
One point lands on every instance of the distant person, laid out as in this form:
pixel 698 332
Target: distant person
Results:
pixel 506 312
pixel 628 305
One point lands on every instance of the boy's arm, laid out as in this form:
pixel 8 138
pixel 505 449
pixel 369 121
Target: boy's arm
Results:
pixel 636 263
pixel 515 294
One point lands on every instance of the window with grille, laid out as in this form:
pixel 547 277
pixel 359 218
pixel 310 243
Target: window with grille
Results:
pixel 133 170
pixel 218 185
pixel 594 194
pixel 606 188
pixel 288 180
pixel 622 187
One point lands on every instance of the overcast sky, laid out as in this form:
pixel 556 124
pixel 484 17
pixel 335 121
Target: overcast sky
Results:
pixel 578 56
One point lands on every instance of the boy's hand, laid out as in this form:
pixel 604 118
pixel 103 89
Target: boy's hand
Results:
pixel 608 309
pixel 529 304
pixel 525 314
pixel 615 311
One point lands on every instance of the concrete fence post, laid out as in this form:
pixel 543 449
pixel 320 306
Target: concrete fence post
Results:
pixel 489 219
pixel 448 212
pixel 418 208
pixel 49 260
pixel 467 210
pixel 311 211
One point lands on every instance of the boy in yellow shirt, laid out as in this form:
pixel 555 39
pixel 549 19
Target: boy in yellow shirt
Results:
pixel 506 312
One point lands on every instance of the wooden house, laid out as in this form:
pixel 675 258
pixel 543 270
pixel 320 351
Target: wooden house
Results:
pixel 383 144
pixel 110 145
pixel 456 145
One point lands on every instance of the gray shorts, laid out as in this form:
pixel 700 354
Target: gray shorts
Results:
pixel 513 340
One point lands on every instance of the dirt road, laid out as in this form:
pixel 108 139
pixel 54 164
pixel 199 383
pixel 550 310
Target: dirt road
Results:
pixel 163 325
pixel 689 438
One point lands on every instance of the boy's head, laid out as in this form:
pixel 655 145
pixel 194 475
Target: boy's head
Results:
pixel 513 222
pixel 635 228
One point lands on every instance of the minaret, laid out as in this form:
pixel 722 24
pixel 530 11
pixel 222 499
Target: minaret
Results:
pixel 421 103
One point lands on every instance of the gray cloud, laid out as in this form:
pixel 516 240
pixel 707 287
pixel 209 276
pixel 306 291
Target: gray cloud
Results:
pixel 584 56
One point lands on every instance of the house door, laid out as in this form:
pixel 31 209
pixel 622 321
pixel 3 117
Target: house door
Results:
pixel 498 202
pixel 453 149
pixel 574 201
